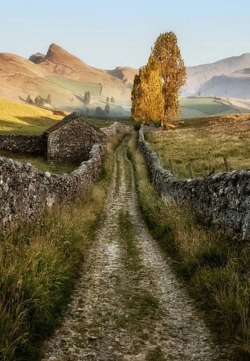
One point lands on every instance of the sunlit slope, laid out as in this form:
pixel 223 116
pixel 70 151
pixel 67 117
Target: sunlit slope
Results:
pixel 21 118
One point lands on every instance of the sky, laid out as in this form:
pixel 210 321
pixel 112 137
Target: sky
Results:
pixel 109 33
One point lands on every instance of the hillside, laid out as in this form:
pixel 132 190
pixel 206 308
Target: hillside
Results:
pixel 198 76
pixel 66 78
pixel 59 62
pixel 21 118
pixel 231 86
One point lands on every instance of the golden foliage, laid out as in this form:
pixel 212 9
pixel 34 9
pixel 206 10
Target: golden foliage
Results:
pixel 173 72
pixel 156 89
pixel 147 98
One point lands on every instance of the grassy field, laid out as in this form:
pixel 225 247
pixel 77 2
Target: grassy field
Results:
pixel 39 162
pixel 194 107
pixel 77 87
pixel 22 118
pixel 106 122
pixel 201 106
pixel 215 271
pixel 202 144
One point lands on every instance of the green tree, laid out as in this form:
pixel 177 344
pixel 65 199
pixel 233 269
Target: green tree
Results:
pixel 107 109
pixel 48 100
pixel 29 100
pixel 99 112
pixel 147 98
pixel 173 73
pixel 136 98
pixel 86 98
pixel 39 101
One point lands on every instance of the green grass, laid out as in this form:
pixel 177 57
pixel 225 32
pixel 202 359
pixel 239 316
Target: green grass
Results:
pixel 195 107
pixel 202 106
pixel 203 144
pixel 22 118
pixel 39 264
pixel 78 87
pixel 39 162
pixel 132 261
pixel 216 271
pixel 142 306
pixel 106 122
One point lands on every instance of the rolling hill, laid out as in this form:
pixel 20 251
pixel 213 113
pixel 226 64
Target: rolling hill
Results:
pixel 66 78
pixel 227 77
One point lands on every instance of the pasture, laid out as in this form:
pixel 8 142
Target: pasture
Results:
pixel 77 87
pixel 194 107
pixel 22 118
pixel 199 146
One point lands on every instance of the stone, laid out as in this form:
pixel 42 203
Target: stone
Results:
pixel 221 199
pixel 25 192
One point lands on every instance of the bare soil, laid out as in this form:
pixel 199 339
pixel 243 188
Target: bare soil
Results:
pixel 128 305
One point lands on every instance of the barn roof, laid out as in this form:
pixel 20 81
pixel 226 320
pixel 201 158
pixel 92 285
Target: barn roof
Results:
pixel 69 118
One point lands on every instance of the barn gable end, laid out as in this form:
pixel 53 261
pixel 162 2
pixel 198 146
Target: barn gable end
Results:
pixel 71 140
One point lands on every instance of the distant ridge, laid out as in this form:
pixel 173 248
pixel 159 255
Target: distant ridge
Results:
pixel 66 78
pixel 58 61
pixel 53 73
pixel 198 76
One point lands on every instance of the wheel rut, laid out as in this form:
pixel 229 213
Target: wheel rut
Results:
pixel 128 305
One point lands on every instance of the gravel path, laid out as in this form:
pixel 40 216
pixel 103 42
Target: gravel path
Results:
pixel 128 305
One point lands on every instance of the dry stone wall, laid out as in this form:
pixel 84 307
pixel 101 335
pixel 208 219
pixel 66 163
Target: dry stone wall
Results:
pixel 25 191
pixel 30 144
pixel 116 128
pixel 221 199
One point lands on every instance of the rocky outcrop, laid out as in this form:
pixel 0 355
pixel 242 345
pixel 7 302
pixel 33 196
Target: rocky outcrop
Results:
pixel 37 58
pixel 221 199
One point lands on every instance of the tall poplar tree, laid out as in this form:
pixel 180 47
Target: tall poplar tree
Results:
pixel 147 97
pixel 173 73
pixel 155 94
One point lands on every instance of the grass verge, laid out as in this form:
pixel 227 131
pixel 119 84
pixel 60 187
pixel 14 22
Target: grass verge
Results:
pixel 142 307
pixel 216 271
pixel 214 144
pixel 39 265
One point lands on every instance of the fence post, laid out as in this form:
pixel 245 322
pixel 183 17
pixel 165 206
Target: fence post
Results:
pixel 226 163
pixel 171 167
pixel 190 170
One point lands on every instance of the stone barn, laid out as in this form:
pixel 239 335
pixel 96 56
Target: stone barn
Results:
pixel 71 139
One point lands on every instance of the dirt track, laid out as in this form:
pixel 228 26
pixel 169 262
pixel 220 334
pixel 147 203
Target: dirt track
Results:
pixel 128 305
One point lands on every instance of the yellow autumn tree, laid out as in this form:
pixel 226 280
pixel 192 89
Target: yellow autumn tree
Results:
pixel 147 97
pixel 156 90
pixel 173 73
